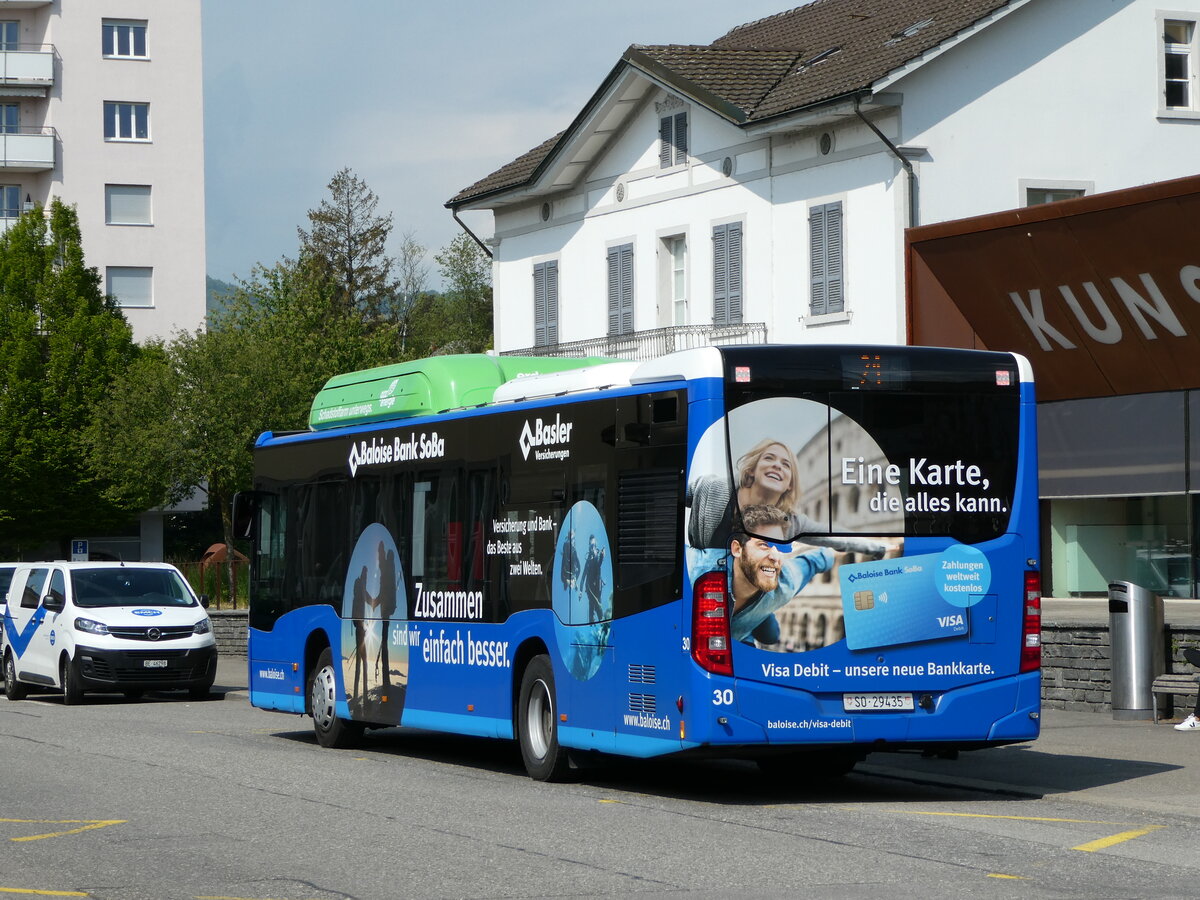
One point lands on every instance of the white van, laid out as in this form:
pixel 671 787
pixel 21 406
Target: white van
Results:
pixel 97 626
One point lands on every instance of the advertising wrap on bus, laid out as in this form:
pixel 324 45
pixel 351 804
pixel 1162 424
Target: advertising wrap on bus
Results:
pixel 732 551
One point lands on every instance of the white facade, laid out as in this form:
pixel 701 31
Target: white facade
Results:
pixel 120 127
pixel 1048 94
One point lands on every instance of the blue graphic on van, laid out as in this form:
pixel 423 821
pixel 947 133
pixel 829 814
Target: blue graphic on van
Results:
pixel 19 640
pixel 147 612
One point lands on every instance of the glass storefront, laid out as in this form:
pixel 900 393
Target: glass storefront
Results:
pixel 1119 477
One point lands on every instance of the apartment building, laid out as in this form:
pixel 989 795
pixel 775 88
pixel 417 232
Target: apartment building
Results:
pixel 101 106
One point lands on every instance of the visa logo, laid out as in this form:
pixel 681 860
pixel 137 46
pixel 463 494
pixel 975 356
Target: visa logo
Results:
pixel 950 621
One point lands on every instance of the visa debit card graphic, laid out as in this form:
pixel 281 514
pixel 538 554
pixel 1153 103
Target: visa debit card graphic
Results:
pixel 896 601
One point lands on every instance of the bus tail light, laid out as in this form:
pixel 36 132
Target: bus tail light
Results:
pixel 710 625
pixel 1031 628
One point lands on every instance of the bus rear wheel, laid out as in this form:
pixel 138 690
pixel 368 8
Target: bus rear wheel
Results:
pixel 537 723
pixel 322 698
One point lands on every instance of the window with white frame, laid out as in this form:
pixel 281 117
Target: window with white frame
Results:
pixel 10 201
pixel 1035 196
pixel 673 140
pixel 123 39
pixel 1178 65
pixel 132 286
pixel 10 35
pixel 827 294
pixel 675 278
pixel 126 121
pixel 545 303
pixel 727 273
pixel 127 204
pixel 620 289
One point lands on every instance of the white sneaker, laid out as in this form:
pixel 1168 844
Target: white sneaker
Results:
pixel 1191 723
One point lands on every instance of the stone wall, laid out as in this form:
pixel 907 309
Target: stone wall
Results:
pixel 1076 664
pixel 230 631
pixel 1075 659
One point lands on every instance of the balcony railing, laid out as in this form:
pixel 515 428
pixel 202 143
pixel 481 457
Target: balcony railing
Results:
pixel 27 64
pixel 27 149
pixel 656 342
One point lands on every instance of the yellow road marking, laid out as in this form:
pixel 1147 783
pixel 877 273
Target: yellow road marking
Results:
pixel 29 892
pixel 84 825
pixel 1102 843
pixel 1089 847
pixel 1013 877
pixel 910 812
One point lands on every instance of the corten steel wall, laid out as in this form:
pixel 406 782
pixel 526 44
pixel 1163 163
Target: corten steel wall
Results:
pixel 1102 293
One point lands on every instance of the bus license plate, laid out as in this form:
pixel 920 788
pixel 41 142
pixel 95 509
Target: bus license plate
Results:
pixel 876 702
pixel 154 663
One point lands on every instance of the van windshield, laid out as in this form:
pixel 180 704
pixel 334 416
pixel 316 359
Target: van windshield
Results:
pixel 95 588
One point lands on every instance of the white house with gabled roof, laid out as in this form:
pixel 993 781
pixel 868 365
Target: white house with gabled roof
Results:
pixel 757 188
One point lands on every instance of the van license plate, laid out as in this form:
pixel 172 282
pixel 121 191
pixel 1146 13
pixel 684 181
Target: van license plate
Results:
pixel 154 663
pixel 877 702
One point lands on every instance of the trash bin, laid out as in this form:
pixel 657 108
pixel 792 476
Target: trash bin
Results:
pixel 1135 625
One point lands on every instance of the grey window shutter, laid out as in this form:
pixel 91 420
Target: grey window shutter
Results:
pixel 681 138
pixel 720 276
pixel 734 269
pixel 627 289
pixel 551 302
pixel 539 305
pixel 666 145
pixel 620 289
pixel 835 300
pixel 825 259
pixel 614 290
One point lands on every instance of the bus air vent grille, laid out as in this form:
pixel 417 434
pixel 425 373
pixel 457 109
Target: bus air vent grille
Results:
pixel 642 703
pixel 641 674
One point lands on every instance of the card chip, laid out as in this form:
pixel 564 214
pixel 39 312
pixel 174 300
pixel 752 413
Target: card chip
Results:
pixel 864 599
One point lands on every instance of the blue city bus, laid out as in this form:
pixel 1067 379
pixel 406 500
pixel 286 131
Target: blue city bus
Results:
pixel 788 554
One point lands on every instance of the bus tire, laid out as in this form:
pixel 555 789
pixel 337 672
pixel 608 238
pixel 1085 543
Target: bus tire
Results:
pixel 537 723
pixel 13 689
pixel 71 688
pixel 322 698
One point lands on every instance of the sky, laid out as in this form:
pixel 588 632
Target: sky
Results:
pixel 419 99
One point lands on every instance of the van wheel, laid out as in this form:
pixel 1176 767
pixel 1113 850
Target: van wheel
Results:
pixel 71 688
pixel 537 723
pixel 13 689
pixel 322 699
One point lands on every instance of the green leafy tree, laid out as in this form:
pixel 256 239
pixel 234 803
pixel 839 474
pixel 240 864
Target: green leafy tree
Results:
pixel 347 242
pixel 62 343
pixel 459 320
pixel 187 414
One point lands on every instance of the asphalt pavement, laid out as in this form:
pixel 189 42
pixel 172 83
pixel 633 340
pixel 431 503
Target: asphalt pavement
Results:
pixel 1081 756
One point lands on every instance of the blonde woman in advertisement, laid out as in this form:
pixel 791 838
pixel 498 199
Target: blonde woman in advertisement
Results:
pixel 766 476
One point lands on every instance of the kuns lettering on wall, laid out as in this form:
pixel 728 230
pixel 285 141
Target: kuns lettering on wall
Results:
pixel 806 515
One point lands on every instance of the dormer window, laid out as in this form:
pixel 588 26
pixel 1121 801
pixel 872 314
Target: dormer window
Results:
pixel 673 140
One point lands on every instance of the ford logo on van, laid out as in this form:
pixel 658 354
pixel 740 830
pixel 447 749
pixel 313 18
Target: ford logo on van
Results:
pixel 147 612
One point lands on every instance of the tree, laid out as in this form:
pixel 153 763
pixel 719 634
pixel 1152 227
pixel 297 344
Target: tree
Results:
pixel 186 416
pixel 465 315
pixel 62 343
pixel 347 241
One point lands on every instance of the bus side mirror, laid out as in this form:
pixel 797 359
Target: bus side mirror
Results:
pixel 204 601
pixel 246 505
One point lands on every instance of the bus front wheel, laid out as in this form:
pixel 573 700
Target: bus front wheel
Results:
pixel 322 697
pixel 537 723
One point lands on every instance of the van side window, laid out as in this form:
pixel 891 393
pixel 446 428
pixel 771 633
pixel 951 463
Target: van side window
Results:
pixel 33 588
pixel 58 587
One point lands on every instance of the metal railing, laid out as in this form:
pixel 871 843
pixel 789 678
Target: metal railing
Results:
pixel 651 344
